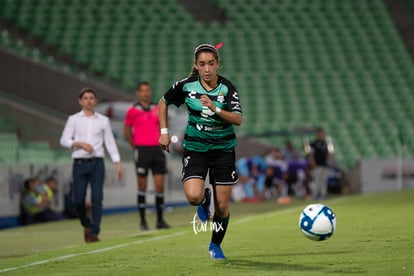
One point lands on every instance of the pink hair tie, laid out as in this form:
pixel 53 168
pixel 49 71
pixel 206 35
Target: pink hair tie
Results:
pixel 218 46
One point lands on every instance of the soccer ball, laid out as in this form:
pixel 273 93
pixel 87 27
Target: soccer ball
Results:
pixel 317 222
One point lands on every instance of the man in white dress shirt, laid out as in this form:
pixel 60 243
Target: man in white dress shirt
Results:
pixel 85 133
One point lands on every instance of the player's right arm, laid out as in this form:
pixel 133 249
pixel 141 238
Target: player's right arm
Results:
pixel 163 119
pixel 176 96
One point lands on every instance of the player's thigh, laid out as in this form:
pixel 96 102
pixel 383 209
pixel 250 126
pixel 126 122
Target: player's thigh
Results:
pixel 194 190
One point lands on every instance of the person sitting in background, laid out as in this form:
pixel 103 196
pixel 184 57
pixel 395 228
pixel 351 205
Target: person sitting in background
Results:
pixel 35 205
pixel 251 171
pixel 289 151
pixel 296 173
pixel 49 188
pixel 275 160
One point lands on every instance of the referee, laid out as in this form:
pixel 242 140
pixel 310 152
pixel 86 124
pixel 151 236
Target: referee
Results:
pixel 85 133
pixel 142 130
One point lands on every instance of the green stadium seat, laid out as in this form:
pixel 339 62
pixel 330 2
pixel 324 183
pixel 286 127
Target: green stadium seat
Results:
pixel 295 63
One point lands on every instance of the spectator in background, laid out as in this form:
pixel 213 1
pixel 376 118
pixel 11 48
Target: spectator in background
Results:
pixel 251 171
pixel 35 204
pixel 49 188
pixel 277 175
pixel 289 151
pixel 296 174
pixel 319 159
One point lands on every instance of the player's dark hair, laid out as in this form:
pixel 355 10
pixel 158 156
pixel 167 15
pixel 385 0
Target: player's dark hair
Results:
pixel 200 49
pixel 86 90
pixel 141 83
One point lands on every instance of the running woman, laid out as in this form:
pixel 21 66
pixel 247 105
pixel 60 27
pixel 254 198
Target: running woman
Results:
pixel 213 106
pixel 142 132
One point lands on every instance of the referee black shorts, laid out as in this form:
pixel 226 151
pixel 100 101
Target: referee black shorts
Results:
pixel 149 157
pixel 220 163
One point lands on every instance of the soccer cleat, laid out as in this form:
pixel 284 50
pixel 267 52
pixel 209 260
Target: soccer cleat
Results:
pixel 215 252
pixel 162 225
pixel 203 210
pixel 144 226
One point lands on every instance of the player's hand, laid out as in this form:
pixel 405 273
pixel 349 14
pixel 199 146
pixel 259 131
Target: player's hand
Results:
pixel 206 101
pixel 165 142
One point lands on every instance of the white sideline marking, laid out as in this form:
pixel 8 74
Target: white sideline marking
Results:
pixel 100 250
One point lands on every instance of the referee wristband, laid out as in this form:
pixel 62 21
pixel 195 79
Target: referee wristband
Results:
pixel 218 110
pixel 164 130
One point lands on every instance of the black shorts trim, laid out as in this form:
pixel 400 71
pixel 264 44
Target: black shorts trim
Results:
pixel 226 183
pixel 194 176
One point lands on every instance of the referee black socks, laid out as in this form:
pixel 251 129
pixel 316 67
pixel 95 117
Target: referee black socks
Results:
pixel 159 204
pixel 141 205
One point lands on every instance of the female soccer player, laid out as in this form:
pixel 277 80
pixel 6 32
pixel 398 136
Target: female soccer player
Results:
pixel 213 106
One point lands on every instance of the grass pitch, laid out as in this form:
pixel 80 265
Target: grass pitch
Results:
pixel 374 236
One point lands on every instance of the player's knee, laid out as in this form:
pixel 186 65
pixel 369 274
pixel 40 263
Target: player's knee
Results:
pixel 195 198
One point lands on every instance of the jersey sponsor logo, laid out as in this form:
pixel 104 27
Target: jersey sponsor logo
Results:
pixel 220 97
pixel 208 128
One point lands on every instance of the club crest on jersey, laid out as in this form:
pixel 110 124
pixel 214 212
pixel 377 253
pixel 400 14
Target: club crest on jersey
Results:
pixel 220 97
